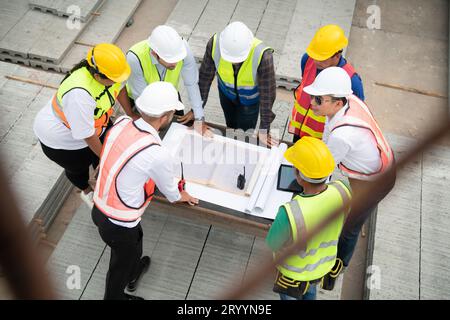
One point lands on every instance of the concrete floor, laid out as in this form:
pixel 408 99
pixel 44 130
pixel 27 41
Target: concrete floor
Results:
pixel 411 32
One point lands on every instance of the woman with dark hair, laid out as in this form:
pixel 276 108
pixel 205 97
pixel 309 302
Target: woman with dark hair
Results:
pixel 72 126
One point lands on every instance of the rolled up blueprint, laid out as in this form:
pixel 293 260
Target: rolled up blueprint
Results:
pixel 270 166
pixel 271 176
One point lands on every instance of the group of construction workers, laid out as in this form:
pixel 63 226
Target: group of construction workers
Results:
pixel 331 124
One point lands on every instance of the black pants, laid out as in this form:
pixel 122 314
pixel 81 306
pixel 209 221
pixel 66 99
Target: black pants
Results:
pixel 126 252
pixel 76 163
pixel 238 116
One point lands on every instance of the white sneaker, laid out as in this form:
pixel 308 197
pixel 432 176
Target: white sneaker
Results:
pixel 88 198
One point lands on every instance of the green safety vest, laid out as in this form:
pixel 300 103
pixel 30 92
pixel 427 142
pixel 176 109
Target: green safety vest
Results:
pixel 304 214
pixel 105 97
pixel 142 51
pixel 246 82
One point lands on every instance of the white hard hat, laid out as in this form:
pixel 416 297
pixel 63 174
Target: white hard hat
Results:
pixel 332 81
pixel 167 43
pixel 157 98
pixel 235 42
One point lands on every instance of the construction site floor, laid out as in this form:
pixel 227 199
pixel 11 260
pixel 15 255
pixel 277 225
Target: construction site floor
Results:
pixel 408 51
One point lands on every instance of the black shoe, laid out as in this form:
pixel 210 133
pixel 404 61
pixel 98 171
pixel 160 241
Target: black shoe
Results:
pixel 144 264
pixel 130 297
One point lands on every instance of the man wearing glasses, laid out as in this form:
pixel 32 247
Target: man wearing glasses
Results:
pixel 358 147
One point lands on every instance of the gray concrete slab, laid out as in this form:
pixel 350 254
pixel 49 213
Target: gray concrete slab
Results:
pixel 409 17
pixel 260 253
pixel 30 174
pixel 309 16
pixel 61 7
pixel 396 249
pixel 56 40
pixel 185 16
pixel 222 263
pixel 435 248
pixel 106 27
pixel 11 13
pixel 152 224
pixel 432 52
pixel 174 260
pixel 253 20
pixel 40 36
pixel 274 25
pixel 211 22
pixel 80 247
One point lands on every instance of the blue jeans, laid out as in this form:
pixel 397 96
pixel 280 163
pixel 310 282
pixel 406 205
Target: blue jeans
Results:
pixel 349 236
pixel 238 116
pixel 309 295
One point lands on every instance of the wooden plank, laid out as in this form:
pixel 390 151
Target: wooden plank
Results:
pixel 435 248
pixel 80 246
pixel 185 16
pixel 152 225
pixel 396 249
pixel 223 262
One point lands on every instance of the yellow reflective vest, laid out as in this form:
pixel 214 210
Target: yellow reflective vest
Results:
pixel 245 86
pixel 304 214
pixel 105 97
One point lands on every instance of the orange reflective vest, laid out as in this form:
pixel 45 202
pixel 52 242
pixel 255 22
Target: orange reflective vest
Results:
pixel 359 115
pixel 105 97
pixel 122 142
pixel 303 121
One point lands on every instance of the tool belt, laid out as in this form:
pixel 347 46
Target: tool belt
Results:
pixel 291 287
pixel 329 279
pixel 296 288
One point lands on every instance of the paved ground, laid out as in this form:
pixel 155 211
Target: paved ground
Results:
pixel 411 32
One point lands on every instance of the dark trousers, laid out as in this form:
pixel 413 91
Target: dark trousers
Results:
pixel 126 252
pixel 350 234
pixel 76 163
pixel 238 116
pixel 357 216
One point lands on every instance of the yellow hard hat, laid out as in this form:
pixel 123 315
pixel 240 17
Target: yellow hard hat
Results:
pixel 109 60
pixel 311 157
pixel 326 42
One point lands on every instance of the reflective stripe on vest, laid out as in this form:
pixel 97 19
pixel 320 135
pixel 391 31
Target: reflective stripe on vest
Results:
pixel 123 142
pixel 304 214
pixel 303 121
pixel 142 51
pixel 103 96
pixel 247 87
pixel 359 115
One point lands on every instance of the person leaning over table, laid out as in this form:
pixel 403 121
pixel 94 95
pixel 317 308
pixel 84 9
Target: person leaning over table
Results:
pixel 300 273
pixel 72 125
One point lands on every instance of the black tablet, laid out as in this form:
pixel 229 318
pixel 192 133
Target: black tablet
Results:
pixel 287 180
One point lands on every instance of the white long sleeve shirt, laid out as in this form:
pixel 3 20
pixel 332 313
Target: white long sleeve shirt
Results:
pixel 189 74
pixel 354 147
pixel 154 163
